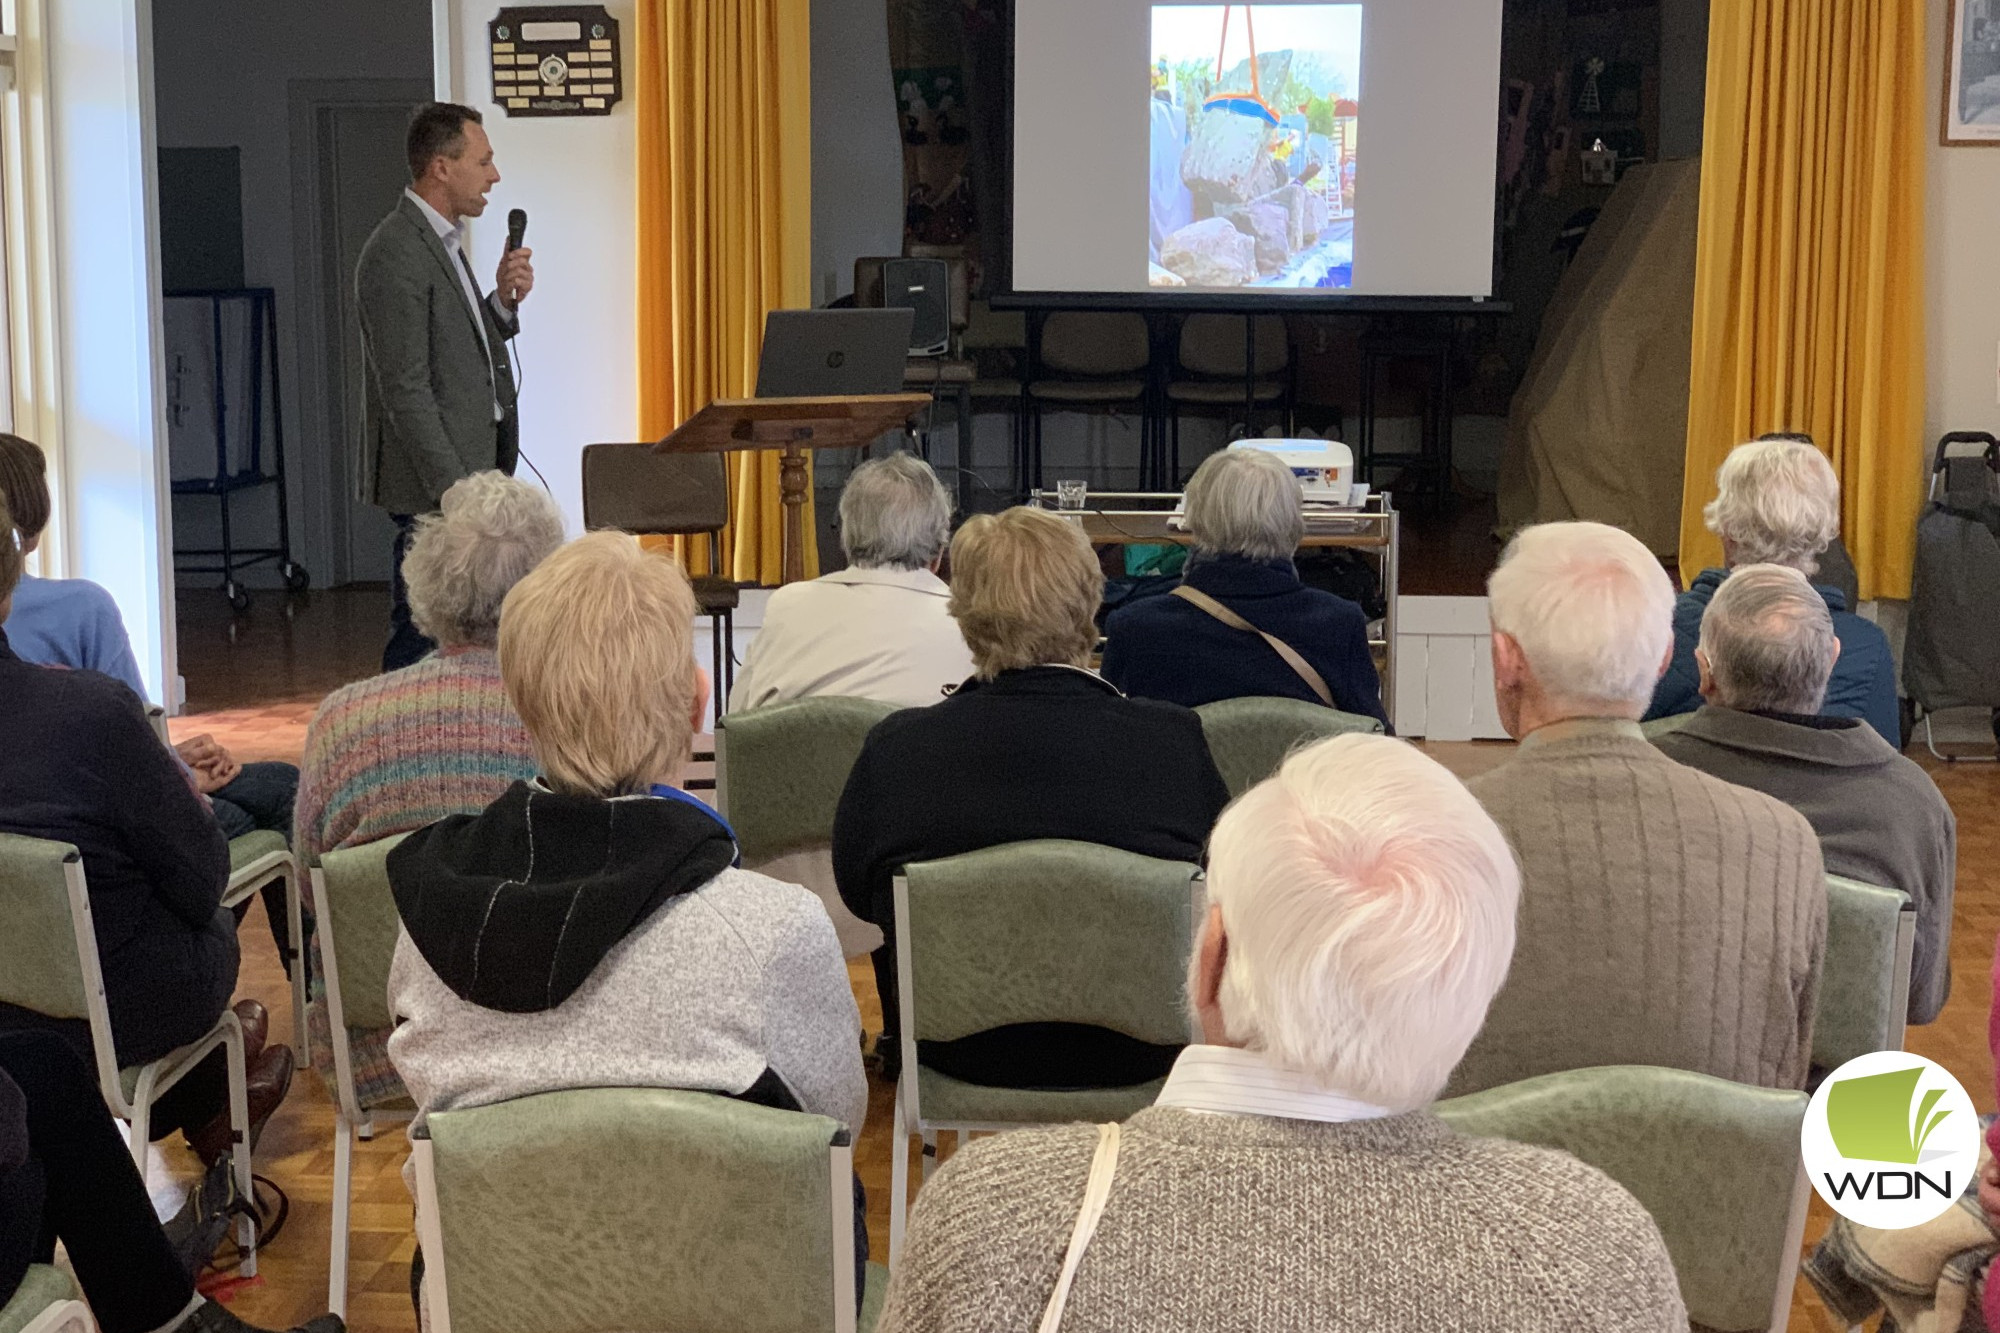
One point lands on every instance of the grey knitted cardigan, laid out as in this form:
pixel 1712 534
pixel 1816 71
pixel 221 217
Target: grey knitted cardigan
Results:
pixel 1223 1222
pixel 1667 917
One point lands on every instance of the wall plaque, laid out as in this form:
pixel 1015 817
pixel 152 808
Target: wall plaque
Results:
pixel 555 60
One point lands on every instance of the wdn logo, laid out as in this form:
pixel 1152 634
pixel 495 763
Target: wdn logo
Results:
pixel 1890 1140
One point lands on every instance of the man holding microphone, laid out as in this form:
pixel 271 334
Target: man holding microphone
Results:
pixel 440 386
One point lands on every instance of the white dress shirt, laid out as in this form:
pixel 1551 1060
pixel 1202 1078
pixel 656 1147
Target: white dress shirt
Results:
pixel 453 236
pixel 1227 1080
pixel 863 633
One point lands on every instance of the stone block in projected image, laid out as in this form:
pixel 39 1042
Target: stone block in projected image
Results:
pixel 1317 216
pixel 1268 225
pixel 1210 253
pixel 1223 156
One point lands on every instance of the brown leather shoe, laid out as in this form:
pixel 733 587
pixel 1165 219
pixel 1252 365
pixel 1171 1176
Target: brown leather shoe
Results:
pixel 270 1078
pixel 256 1021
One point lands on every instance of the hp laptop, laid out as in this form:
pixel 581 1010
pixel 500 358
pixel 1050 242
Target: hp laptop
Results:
pixel 816 353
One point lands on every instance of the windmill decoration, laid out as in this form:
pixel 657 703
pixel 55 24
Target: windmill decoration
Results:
pixel 1588 101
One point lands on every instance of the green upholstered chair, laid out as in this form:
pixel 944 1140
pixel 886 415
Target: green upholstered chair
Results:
pixel 1249 738
pixel 1864 984
pixel 1663 726
pixel 49 965
pixel 45 1302
pixel 779 771
pixel 1033 932
pixel 357 925
pixel 1716 1163
pixel 264 857
pixel 599 1209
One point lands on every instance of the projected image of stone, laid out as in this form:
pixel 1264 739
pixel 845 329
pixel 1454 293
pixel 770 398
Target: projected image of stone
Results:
pixel 1253 117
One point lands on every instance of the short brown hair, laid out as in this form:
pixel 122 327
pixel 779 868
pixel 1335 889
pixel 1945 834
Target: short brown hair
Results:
pixel 597 654
pixel 12 561
pixel 24 483
pixel 437 129
pixel 1025 587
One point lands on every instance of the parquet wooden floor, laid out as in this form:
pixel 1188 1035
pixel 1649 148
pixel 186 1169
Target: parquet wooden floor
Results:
pixel 274 679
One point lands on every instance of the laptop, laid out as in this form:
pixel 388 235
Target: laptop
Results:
pixel 819 353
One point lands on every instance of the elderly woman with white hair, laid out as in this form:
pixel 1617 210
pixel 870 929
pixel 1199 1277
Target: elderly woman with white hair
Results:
pixel 1036 745
pixel 1290 1174
pixel 1213 637
pixel 1777 502
pixel 878 629
pixel 435 738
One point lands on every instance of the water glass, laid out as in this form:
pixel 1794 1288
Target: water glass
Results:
pixel 1070 495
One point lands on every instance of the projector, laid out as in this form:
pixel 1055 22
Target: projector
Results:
pixel 1325 468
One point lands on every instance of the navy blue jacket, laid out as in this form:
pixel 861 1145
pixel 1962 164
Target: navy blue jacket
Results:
pixel 80 764
pixel 1864 679
pixel 1165 648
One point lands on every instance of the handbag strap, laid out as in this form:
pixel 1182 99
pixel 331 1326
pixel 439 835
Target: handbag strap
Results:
pixel 1292 656
pixel 1096 1191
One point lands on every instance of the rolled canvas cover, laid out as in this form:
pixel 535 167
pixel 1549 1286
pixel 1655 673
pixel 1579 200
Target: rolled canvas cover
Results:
pixel 1598 428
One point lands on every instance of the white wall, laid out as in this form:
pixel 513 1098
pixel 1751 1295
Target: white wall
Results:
pixel 857 149
pixel 100 100
pixel 1961 270
pixel 577 352
pixel 224 71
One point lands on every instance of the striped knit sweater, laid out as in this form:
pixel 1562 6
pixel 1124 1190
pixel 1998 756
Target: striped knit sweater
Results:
pixel 1667 917
pixel 390 754
pixel 1228 1222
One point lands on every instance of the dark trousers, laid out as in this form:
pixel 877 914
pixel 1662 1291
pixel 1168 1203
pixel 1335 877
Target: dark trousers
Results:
pixel 407 643
pixel 260 797
pixel 79 1186
pixel 201 1095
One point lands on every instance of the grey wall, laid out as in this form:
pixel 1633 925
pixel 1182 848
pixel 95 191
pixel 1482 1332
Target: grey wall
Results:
pixel 223 71
pixel 857 150
pixel 1683 75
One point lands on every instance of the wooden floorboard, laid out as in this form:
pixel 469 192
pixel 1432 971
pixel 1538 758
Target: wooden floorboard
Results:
pixel 273 671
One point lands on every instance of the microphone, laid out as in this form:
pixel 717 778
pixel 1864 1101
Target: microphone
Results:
pixel 517 227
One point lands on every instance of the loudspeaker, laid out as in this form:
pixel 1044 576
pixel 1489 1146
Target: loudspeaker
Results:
pixel 922 285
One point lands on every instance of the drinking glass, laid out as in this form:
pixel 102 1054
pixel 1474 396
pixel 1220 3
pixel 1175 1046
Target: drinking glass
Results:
pixel 1070 495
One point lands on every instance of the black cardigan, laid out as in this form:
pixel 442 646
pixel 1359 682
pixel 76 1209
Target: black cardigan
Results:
pixel 80 764
pixel 1043 752
pixel 1167 648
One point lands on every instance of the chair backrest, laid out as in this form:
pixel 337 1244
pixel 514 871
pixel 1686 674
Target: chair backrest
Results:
pixel 986 327
pixel 1215 345
pixel 357 921
pixel 156 718
pixel 600 1209
pixel 45 1302
pixel 1716 1163
pixel 779 770
pixel 1862 1005
pixel 633 489
pixel 1044 932
pixel 1080 342
pixel 48 951
pixel 1250 737
pixel 1665 726
pixel 868 284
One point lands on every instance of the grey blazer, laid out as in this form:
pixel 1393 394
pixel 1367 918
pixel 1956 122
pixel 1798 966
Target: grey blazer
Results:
pixel 429 417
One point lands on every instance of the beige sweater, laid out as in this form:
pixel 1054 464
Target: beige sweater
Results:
pixel 1667 917
pixel 1223 1222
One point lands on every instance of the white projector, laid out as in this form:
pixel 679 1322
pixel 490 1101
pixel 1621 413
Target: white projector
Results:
pixel 1325 468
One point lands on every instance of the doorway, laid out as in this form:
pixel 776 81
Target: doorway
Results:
pixel 348 171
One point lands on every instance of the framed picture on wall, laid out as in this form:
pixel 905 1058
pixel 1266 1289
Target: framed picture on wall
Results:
pixel 1971 113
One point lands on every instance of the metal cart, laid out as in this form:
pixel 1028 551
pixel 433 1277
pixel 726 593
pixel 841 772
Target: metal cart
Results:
pixel 261 325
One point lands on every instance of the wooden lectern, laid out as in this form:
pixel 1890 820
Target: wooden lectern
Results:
pixel 793 425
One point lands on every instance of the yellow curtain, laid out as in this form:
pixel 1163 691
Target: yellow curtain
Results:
pixel 725 230
pixel 1809 267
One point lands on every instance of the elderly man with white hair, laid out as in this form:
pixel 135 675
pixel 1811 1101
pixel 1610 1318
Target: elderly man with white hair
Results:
pixel 1777 502
pixel 1217 636
pixel 1767 651
pixel 1291 1175
pixel 878 629
pixel 1667 917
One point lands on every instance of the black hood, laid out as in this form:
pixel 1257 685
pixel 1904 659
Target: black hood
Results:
pixel 515 906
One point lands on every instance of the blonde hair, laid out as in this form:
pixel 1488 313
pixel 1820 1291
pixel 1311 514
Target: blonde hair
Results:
pixel 1592 610
pixel 1368 901
pixel 1025 588
pixel 597 654
pixel 1777 502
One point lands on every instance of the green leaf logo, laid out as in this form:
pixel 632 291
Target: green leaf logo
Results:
pixel 1879 1118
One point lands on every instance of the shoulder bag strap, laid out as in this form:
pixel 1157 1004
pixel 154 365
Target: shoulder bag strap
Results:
pixel 1292 657
pixel 1096 1191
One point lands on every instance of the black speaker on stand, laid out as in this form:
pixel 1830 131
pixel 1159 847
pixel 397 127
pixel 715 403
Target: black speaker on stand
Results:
pixel 922 285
